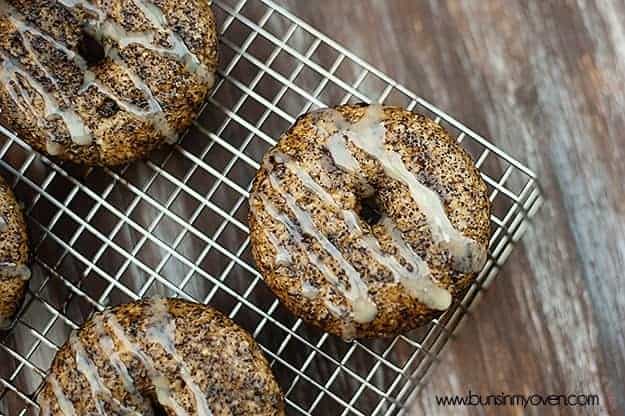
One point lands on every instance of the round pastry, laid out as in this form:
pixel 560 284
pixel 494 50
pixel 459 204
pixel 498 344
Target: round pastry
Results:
pixel 104 82
pixel 160 357
pixel 367 220
pixel 14 272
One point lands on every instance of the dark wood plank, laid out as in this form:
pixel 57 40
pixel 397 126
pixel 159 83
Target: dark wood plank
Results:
pixel 545 81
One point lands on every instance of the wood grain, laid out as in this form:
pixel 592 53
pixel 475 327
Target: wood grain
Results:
pixel 545 81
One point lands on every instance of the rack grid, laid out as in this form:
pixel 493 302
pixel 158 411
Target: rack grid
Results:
pixel 175 224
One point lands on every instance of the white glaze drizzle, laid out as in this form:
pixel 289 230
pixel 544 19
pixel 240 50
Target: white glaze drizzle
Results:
pixel 78 131
pixel 293 231
pixel 65 405
pixel 368 134
pixel 108 346
pixel 162 330
pixel 348 330
pixel 336 310
pixel 342 156
pixel 179 48
pixel 25 104
pixel 22 27
pixel 70 4
pixel 308 290
pixel 363 308
pixel 160 382
pixel 4 226
pixel 283 257
pixel 11 88
pixel 105 27
pixel 44 407
pixel 109 29
pixel 154 113
pixel 418 281
pixel 88 369
pixel 52 147
pixel 11 270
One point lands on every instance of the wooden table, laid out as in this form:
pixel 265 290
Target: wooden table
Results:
pixel 545 81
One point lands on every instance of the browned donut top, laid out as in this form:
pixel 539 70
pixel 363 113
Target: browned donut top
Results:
pixel 367 219
pixel 101 81
pixel 160 355
pixel 14 271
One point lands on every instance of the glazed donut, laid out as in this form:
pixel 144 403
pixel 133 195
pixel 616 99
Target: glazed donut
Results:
pixel 14 271
pixel 367 220
pixel 103 82
pixel 160 356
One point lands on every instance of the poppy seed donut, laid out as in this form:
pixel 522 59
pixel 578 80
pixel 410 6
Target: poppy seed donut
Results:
pixel 14 271
pixel 104 82
pixel 367 220
pixel 160 356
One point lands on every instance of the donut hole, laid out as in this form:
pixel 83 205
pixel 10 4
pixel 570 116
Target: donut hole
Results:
pixel 91 49
pixel 108 108
pixel 370 209
pixel 157 408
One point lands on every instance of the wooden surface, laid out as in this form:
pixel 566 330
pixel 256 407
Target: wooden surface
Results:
pixel 545 81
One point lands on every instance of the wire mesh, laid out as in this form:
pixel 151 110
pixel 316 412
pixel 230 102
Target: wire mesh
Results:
pixel 175 224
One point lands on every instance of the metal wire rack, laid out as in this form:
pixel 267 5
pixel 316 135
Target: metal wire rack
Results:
pixel 175 224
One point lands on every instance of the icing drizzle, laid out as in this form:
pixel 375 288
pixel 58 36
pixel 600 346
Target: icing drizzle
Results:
pixel 417 281
pixel 178 49
pixel 162 330
pixel 348 329
pixel 308 290
pixel 154 113
pixel 363 308
pixel 160 382
pixel 87 368
pixel 283 257
pixel 10 69
pixel 9 270
pixel 368 134
pixel 78 131
pixel 107 345
pixel 66 405
pixel 106 28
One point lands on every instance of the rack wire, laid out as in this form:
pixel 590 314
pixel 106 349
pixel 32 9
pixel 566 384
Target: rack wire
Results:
pixel 175 224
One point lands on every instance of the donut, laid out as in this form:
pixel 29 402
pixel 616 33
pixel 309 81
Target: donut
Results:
pixel 160 357
pixel 14 271
pixel 103 82
pixel 367 221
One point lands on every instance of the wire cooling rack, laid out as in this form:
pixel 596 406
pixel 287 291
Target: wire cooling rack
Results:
pixel 175 224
